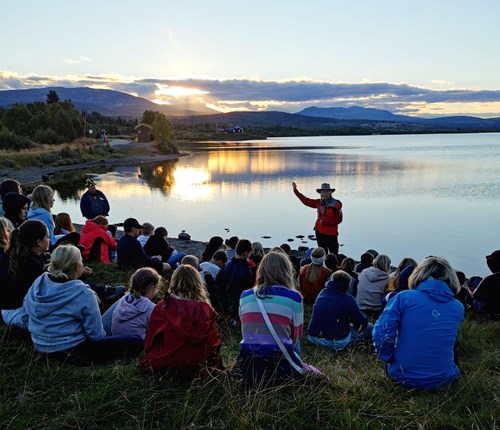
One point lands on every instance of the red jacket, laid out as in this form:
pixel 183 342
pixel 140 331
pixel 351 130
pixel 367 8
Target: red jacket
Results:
pixel 89 233
pixel 329 213
pixel 181 334
pixel 311 290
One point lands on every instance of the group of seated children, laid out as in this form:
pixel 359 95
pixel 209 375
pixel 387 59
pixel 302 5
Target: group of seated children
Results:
pixel 415 311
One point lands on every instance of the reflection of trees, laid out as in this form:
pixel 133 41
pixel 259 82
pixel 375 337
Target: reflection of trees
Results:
pixel 160 176
pixel 71 184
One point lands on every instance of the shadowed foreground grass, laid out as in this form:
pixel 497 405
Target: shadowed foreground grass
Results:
pixel 36 394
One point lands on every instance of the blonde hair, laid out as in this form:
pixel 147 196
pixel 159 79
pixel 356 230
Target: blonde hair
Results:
pixel 341 276
pixel 142 279
pixel 191 260
pixel 382 262
pixel 313 270
pixel 42 197
pixel 5 228
pixel 186 283
pixel 275 269
pixel 64 260
pixel 63 222
pixel 437 268
pixel 403 264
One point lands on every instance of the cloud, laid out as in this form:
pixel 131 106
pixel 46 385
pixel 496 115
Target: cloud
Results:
pixel 77 60
pixel 288 96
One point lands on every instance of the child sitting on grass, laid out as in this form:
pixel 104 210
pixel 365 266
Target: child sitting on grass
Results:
pixel 182 333
pixel 132 311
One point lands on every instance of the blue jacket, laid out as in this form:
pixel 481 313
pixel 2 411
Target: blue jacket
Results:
pixel 416 333
pixel 333 313
pixel 62 314
pixel 92 205
pixel 46 217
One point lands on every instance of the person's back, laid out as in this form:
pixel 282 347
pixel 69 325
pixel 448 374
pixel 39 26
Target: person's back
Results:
pixel 372 283
pixel 132 312
pixel 236 276
pixel 313 276
pixel 416 333
pixel 96 241
pixel 487 294
pixel 182 332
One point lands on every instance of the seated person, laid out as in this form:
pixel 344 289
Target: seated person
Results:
pixel 64 317
pixel 131 313
pixel 96 241
pixel 157 244
pixel 182 332
pixel 63 225
pixel 313 276
pixel 129 251
pixel 216 263
pixel 8 186
pixel 415 335
pixel 336 320
pixel 487 294
pixel 16 207
pixel 147 232
pixel 214 244
pixel 231 246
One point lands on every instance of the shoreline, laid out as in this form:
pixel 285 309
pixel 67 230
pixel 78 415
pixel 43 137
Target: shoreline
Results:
pixel 33 175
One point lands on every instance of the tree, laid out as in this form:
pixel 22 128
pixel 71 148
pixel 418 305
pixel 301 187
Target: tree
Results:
pixel 163 133
pixel 52 97
pixel 17 118
pixel 149 116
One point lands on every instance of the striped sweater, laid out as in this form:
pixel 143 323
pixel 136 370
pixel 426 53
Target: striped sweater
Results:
pixel 286 312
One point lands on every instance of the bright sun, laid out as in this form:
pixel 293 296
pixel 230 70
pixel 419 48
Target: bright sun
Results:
pixel 170 91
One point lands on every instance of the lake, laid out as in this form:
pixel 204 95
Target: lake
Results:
pixel 403 195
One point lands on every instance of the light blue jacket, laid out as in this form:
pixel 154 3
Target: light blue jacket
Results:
pixel 62 314
pixel 416 333
pixel 46 217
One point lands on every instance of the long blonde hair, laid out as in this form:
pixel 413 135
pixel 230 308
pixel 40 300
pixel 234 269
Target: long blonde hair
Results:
pixel 275 269
pixel 186 283
pixel 42 197
pixel 403 264
pixel 64 260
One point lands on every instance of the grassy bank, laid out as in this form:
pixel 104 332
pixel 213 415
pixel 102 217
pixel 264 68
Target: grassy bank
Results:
pixel 38 395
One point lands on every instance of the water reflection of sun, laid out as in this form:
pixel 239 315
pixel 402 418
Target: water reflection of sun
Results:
pixel 191 183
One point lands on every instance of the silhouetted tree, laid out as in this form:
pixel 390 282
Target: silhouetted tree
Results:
pixel 52 97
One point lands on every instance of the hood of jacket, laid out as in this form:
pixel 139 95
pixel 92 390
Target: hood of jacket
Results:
pixel 130 307
pixel 438 290
pixel 45 295
pixel 340 287
pixel 373 274
pixel 192 320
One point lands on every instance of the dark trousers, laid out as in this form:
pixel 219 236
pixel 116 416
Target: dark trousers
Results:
pixel 101 351
pixel 328 242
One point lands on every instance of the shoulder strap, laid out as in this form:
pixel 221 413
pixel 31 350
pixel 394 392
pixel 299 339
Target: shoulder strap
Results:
pixel 275 335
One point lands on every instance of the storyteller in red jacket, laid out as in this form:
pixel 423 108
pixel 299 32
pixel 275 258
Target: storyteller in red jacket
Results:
pixel 329 216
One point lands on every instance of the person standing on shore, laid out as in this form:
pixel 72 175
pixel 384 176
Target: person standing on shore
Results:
pixel 93 201
pixel 329 216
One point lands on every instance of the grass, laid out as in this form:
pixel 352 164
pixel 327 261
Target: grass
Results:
pixel 37 394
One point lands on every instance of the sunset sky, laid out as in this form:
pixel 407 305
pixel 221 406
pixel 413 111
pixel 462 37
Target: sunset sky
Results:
pixel 424 58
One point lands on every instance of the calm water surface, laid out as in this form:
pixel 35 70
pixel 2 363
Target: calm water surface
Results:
pixel 413 195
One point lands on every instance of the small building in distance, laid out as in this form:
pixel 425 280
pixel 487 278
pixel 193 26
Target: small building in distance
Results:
pixel 235 129
pixel 144 133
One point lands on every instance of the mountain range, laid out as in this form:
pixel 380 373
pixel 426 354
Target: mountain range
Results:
pixel 115 103
pixel 106 102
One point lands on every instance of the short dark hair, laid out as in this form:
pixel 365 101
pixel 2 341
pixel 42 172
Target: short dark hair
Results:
pixel 220 255
pixel 9 186
pixel 287 248
pixel 243 245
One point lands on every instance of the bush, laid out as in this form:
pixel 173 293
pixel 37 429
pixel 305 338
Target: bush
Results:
pixel 48 136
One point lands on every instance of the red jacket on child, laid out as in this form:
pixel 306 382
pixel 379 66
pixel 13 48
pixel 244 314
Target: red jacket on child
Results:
pixel 89 233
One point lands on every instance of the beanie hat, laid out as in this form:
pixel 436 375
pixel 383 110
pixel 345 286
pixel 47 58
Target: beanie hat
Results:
pixel 89 182
pixel 493 261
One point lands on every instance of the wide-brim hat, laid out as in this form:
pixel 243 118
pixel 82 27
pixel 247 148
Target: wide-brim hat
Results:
pixel 325 187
